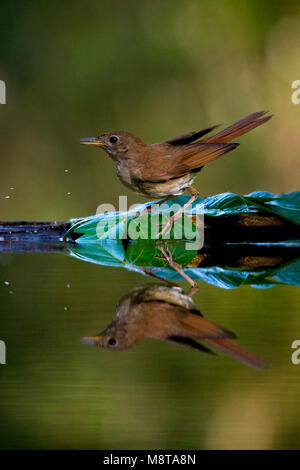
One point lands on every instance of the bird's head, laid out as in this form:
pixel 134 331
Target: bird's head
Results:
pixel 113 338
pixel 118 144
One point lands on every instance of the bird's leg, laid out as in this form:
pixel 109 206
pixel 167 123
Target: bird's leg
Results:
pixel 168 226
pixel 169 258
pixel 149 272
pixel 193 290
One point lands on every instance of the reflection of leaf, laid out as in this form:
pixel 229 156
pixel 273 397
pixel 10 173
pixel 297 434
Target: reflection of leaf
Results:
pixel 141 252
pixel 146 253
pixel 229 278
pixel 104 252
pixel 289 273
pixel 179 253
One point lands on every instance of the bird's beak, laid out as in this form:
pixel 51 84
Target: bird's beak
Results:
pixel 92 339
pixel 93 141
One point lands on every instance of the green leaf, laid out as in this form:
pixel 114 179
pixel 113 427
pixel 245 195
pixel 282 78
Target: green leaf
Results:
pixel 141 252
pixel 95 244
pixel 115 224
pixel 179 254
pixel 104 252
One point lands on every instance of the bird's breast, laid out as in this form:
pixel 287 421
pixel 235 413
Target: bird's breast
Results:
pixel 170 187
pixel 155 189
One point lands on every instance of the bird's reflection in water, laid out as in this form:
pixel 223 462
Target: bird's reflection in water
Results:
pixel 167 313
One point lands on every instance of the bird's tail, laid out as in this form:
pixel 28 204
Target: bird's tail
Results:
pixel 239 353
pixel 239 128
pixel 212 334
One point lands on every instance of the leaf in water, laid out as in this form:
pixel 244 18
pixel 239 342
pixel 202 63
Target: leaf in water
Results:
pixel 179 254
pixel 289 273
pixel 141 252
pixel 149 226
pixel 228 278
pixel 113 225
pixel 146 253
pixel 94 246
pixel 139 227
pixel 285 205
pixel 102 226
pixel 104 252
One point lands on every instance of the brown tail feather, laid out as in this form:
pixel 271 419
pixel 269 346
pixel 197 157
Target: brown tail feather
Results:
pixel 239 128
pixel 204 151
pixel 238 352
pixel 200 327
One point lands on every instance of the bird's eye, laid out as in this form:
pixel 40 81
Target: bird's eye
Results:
pixel 112 342
pixel 113 139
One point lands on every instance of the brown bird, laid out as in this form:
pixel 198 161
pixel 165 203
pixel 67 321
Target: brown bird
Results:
pixel 167 313
pixel 167 168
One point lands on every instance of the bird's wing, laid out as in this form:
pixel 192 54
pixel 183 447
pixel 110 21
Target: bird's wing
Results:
pixel 190 137
pixel 179 159
pixel 178 325
pixel 175 320
pixel 189 343
pixel 195 156
pixel 167 162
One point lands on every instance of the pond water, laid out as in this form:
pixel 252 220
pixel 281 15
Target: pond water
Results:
pixel 59 393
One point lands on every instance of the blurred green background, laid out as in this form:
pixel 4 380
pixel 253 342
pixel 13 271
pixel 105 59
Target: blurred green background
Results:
pixel 157 69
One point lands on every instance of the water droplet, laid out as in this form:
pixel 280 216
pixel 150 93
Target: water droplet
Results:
pixel 11 291
pixel 68 286
pixel 6 197
pixel 6 283
pixel 69 193
pixel 12 188
pixel 65 308
pixel 67 171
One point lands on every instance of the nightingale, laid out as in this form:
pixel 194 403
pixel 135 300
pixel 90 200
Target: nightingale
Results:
pixel 167 313
pixel 166 169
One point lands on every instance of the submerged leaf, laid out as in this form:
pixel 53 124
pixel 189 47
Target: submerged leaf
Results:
pixel 100 239
pixel 114 224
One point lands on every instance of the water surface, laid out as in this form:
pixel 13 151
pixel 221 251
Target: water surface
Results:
pixel 58 393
